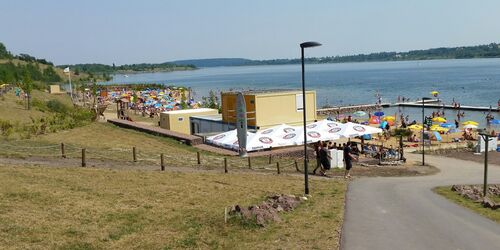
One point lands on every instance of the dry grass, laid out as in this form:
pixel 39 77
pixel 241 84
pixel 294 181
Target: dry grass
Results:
pixel 13 108
pixel 111 143
pixel 474 206
pixel 75 208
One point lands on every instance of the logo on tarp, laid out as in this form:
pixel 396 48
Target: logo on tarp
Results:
pixel 334 130
pixel 288 130
pixel 265 132
pixel 219 137
pixel 313 134
pixel 266 140
pixel 311 126
pixel 359 128
pixel 289 136
pixel 331 124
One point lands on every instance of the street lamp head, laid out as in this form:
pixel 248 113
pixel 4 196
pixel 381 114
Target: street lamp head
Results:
pixel 309 44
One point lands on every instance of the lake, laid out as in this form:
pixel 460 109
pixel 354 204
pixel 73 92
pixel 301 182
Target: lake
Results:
pixel 473 82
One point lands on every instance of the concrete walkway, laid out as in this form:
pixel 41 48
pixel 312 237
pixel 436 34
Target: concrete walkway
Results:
pixel 403 213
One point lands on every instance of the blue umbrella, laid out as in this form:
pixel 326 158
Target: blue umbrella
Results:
pixel 447 125
pixel 379 113
pixel 495 121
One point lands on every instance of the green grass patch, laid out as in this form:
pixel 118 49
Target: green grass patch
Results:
pixel 474 206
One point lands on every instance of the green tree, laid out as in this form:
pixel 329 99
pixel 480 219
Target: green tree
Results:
pixel 27 86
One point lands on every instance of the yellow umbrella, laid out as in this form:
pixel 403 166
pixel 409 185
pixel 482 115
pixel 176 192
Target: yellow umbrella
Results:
pixel 470 123
pixel 438 128
pixel 438 119
pixel 389 118
pixel 415 127
pixel 434 93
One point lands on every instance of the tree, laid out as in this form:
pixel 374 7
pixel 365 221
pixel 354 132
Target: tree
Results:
pixel 27 86
pixel 211 101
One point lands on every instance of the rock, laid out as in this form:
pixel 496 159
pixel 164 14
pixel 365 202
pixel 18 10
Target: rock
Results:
pixel 303 198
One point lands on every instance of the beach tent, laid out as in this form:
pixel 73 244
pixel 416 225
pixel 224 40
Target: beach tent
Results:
pixel 227 139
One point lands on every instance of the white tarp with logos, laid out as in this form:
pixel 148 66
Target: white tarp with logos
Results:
pixel 285 135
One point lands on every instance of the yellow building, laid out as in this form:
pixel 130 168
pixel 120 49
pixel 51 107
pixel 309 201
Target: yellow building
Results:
pixel 55 89
pixel 178 120
pixel 270 108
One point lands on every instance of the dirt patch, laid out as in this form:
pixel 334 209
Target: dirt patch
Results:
pixel 268 211
pixel 408 169
pixel 467 155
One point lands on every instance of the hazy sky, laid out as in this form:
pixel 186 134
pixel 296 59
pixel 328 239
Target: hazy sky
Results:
pixel 127 31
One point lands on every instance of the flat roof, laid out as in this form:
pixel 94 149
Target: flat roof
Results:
pixel 217 117
pixel 266 91
pixel 188 111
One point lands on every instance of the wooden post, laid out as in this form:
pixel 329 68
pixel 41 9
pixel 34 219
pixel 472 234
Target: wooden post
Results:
pixel 63 154
pixel 225 165
pixel 198 157
pixel 270 158
pixel 84 163
pixel 162 165
pixel 297 166
pixel 278 167
pixel 134 155
pixel 249 162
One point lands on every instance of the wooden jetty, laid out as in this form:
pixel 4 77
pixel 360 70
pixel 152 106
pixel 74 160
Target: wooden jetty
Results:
pixel 439 106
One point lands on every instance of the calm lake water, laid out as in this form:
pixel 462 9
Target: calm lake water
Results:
pixel 473 82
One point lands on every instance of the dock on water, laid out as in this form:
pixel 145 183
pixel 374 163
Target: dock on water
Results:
pixel 439 106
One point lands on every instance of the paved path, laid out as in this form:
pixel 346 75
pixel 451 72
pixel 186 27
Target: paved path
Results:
pixel 403 213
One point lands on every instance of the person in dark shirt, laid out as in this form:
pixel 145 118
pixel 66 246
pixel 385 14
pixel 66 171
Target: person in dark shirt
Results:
pixel 324 158
pixel 317 148
pixel 348 158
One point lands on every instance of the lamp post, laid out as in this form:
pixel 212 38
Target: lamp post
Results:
pixel 302 47
pixel 423 127
pixel 486 138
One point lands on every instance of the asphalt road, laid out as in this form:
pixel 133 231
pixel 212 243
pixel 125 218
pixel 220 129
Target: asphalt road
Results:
pixel 404 213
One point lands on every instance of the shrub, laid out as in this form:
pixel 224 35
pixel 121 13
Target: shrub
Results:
pixel 57 106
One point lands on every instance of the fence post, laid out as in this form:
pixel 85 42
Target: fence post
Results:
pixel 278 167
pixel 270 158
pixel 84 163
pixel 225 165
pixel 162 165
pixel 198 157
pixel 134 154
pixel 63 154
pixel 249 162
pixel 297 166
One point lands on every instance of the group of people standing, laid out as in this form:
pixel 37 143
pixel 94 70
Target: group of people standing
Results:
pixel 323 158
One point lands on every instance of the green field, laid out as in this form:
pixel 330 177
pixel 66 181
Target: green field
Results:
pixel 474 206
pixel 85 208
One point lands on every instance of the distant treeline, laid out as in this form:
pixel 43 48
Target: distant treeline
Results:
pixel 25 72
pixel 96 68
pixel 481 51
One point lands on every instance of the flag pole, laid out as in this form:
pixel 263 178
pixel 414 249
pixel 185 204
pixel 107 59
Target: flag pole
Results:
pixel 70 87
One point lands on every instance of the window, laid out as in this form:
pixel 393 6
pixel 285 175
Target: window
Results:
pixel 299 105
pixel 180 119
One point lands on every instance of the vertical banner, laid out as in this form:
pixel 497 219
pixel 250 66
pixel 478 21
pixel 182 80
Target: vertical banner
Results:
pixel 241 123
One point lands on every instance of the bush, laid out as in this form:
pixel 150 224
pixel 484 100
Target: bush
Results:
pixel 57 106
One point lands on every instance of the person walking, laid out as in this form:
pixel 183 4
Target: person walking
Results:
pixel 324 159
pixel 348 158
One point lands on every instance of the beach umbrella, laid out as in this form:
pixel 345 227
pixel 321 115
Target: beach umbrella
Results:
pixel 434 93
pixel 379 113
pixel 438 119
pixel 438 128
pixel 470 123
pixel 389 118
pixel 447 125
pixel 470 126
pixel 495 122
pixel 415 127
pixel 359 114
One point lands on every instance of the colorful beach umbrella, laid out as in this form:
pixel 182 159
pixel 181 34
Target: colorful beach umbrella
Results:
pixel 495 122
pixel 470 123
pixel 438 119
pixel 438 128
pixel 379 113
pixel 470 126
pixel 415 127
pixel 389 118
pixel 434 93
pixel 447 125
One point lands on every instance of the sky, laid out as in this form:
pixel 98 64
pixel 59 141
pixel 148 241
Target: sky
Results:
pixel 155 31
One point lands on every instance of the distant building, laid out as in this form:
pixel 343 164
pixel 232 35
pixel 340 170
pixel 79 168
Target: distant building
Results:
pixel 178 120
